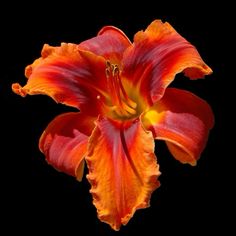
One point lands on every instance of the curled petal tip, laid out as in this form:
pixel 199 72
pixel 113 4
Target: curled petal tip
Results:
pixel 47 50
pixel 17 88
pixel 198 72
pixel 194 163
pixel 207 69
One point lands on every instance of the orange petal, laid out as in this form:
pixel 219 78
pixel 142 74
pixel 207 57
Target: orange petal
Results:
pixel 64 142
pixel 122 170
pixel 68 75
pixel 183 120
pixel 110 43
pixel 158 54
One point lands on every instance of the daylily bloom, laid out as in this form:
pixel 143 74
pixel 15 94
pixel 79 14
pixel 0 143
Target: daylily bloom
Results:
pixel 120 89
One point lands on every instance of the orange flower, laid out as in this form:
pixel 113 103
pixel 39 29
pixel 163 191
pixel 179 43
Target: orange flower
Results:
pixel 121 91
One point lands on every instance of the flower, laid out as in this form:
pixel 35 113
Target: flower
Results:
pixel 120 89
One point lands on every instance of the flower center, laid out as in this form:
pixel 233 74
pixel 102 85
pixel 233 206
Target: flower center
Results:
pixel 119 104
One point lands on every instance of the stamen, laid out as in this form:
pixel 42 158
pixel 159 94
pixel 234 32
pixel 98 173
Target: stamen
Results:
pixel 122 105
pixel 108 73
pixel 108 64
pixel 129 101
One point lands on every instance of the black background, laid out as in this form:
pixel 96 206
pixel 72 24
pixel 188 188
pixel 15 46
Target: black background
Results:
pixel 37 198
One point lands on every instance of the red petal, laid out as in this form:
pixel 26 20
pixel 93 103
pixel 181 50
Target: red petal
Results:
pixel 158 54
pixel 122 170
pixel 183 120
pixel 64 142
pixel 110 43
pixel 68 75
